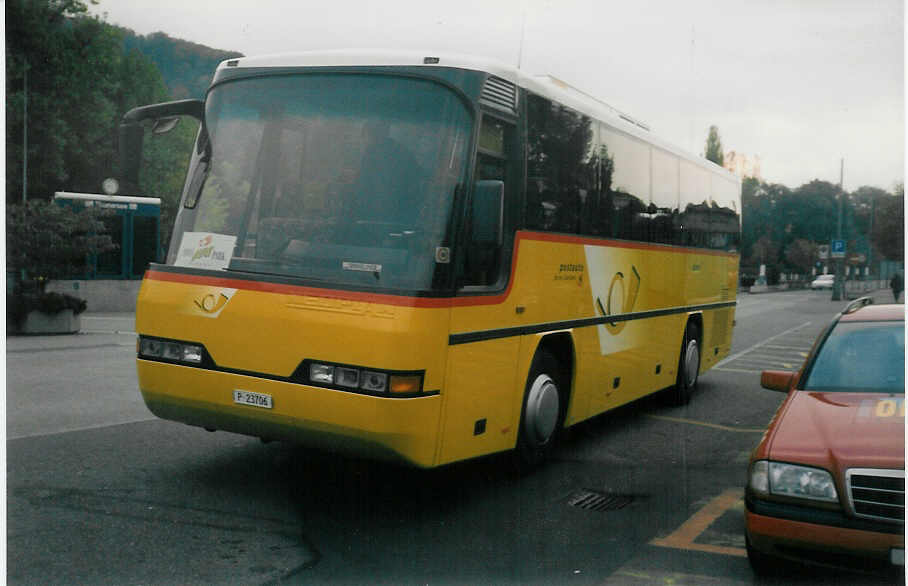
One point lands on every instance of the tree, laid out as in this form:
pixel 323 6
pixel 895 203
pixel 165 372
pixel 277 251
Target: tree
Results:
pixel 777 218
pixel 755 215
pixel 889 225
pixel 809 212
pixel 37 41
pixel 185 66
pixel 864 201
pixel 802 254
pixel 760 204
pixel 70 71
pixel 765 251
pixel 714 147
pixel 45 240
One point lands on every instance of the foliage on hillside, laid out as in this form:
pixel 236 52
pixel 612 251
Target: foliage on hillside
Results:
pixel 185 67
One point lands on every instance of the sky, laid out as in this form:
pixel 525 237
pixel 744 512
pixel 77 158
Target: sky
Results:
pixel 802 84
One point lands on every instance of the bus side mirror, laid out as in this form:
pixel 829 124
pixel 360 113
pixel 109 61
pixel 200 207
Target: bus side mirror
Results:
pixel 164 125
pixel 130 149
pixel 488 213
pixel 162 118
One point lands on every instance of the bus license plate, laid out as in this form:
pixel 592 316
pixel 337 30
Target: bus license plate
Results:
pixel 253 399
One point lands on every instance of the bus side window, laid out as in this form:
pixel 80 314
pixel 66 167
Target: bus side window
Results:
pixel 562 167
pixel 483 265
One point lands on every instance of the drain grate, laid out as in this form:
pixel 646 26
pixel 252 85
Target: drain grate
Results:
pixel 592 500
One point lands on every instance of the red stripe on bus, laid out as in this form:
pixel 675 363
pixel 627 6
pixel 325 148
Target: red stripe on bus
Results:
pixel 300 290
pixel 406 301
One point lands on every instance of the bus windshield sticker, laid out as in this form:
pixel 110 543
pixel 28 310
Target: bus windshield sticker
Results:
pixel 361 266
pixel 204 250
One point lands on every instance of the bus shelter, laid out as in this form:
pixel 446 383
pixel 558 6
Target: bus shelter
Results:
pixel 134 226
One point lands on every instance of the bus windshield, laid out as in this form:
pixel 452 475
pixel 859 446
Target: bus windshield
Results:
pixel 343 178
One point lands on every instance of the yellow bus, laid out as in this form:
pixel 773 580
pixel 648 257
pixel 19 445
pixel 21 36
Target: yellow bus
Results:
pixel 427 258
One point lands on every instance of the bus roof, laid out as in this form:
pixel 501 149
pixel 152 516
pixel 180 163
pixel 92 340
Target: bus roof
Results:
pixel 544 85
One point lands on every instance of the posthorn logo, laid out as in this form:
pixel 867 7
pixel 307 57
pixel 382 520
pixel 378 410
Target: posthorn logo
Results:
pixel 212 304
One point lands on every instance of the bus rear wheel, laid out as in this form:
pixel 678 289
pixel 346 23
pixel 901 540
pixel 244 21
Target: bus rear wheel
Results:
pixel 688 366
pixel 541 415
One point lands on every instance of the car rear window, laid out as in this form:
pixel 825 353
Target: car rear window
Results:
pixel 861 357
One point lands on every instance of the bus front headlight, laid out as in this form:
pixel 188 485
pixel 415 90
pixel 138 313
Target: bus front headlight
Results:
pixel 321 373
pixel 365 380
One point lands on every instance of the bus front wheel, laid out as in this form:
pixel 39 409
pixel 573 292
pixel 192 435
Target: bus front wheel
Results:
pixel 541 416
pixel 688 365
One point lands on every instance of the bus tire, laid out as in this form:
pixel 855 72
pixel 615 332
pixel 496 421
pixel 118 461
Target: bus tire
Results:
pixel 541 414
pixel 688 365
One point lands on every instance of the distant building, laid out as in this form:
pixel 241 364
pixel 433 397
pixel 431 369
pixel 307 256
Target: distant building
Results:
pixel 743 165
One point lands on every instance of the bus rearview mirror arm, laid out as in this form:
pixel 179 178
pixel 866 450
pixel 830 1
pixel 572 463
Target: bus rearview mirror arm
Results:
pixel 132 130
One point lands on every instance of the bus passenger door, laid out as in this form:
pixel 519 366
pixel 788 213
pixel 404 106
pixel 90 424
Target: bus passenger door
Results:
pixel 480 408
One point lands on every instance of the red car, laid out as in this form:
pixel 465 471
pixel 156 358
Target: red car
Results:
pixel 826 484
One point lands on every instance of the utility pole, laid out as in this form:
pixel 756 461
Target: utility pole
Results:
pixel 870 238
pixel 838 284
pixel 523 28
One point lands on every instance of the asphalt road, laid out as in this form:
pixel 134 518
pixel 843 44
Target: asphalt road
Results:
pixel 100 492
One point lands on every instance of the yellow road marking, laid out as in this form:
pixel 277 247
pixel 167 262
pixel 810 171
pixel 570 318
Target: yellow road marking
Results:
pixel 738 370
pixel 707 424
pixel 633 574
pixel 627 577
pixel 684 536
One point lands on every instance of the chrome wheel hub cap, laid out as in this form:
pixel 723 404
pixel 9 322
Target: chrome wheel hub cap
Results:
pixel 691 362
pixel 542 409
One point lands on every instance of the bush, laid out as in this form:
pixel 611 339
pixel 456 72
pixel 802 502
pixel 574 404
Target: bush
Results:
pixel 19 305
pixel 46 241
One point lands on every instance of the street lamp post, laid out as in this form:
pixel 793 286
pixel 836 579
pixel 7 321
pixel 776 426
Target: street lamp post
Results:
pixel 25 134
pixel 838 283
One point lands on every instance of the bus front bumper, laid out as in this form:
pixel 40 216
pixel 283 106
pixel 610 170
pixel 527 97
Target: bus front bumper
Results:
pixel 400 429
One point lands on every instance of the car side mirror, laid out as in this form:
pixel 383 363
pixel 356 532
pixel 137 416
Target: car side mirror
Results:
pixel 777 380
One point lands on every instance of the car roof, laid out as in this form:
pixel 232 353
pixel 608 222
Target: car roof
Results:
pixel 886 312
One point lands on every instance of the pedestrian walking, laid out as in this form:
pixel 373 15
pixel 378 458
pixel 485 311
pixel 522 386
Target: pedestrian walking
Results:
pixel 898 285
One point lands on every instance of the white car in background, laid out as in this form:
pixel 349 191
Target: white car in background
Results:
pixel 823 282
